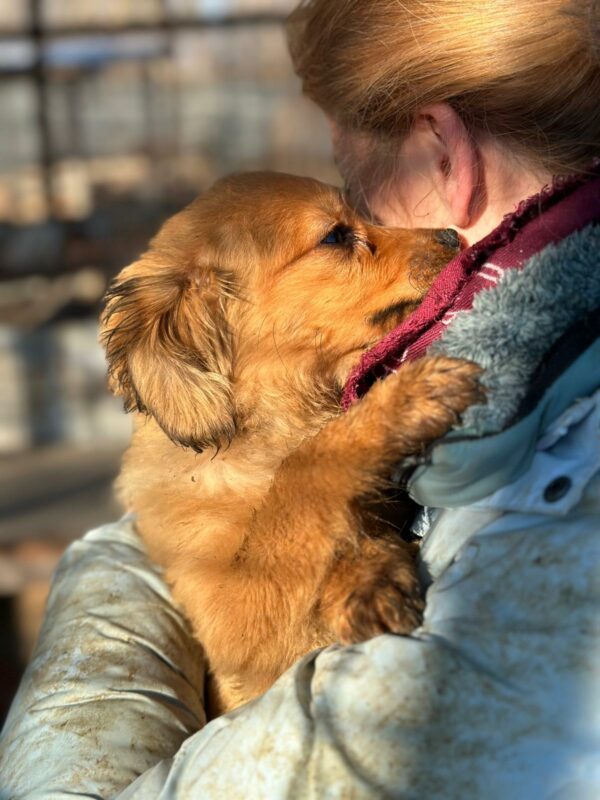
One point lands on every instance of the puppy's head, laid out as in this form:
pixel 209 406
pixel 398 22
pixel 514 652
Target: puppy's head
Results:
pixel 264 278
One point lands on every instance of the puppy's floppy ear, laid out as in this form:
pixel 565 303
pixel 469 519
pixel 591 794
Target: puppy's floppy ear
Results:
pixel 169 349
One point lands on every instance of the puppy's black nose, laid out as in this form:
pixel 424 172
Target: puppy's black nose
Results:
pixel 449 237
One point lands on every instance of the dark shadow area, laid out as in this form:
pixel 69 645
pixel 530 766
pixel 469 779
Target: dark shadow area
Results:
pixel 11 665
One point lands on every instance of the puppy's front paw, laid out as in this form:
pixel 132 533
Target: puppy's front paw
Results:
pixel 427 397
pixel 384 597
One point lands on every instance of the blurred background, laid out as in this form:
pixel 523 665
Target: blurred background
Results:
pixel 113 116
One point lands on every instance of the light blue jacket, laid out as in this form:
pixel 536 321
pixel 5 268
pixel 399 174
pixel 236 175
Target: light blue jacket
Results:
pixel 496 696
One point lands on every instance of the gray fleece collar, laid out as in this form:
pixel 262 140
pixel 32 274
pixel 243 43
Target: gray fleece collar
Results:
pixel 512 325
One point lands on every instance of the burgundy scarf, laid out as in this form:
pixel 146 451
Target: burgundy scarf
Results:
pixel 559 210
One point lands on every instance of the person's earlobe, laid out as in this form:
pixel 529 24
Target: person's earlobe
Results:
pixel 458 169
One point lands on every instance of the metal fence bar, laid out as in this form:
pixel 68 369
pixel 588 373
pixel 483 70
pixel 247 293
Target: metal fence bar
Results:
pixel 39 76
pixel 177 24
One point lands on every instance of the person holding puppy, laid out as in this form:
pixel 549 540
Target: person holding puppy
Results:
pixel 483 117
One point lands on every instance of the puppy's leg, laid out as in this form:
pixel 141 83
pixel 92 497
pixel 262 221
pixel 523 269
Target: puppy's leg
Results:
pixel 275 582
pixel 372 588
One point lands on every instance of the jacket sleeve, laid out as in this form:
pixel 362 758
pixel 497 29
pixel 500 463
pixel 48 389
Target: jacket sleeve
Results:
pixel 115 684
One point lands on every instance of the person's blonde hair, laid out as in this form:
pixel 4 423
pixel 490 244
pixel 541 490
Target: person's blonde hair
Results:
pixel 527 71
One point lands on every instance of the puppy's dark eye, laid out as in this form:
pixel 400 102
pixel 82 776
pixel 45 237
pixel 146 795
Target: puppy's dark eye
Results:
pixel 341 234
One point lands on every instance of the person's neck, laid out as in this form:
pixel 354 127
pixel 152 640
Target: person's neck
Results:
pixel 506 182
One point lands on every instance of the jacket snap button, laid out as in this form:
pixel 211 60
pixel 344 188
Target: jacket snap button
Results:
pixel 557 489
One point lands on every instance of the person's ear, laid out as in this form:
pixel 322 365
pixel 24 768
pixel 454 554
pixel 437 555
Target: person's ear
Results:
pixel 455 162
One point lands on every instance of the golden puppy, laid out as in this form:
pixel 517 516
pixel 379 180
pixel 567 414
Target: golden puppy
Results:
pixel 232 337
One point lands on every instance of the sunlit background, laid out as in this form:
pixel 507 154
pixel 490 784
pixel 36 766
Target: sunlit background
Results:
pixel 113 115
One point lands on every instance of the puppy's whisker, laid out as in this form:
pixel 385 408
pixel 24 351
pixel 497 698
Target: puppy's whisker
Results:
pixel 318 345
pixel 279 356
pixel 386 522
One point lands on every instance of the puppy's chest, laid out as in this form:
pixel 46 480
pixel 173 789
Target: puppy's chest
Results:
pixel 201 513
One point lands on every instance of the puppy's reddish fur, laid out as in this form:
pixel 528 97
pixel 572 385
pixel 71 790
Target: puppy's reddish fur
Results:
pixel 231 337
